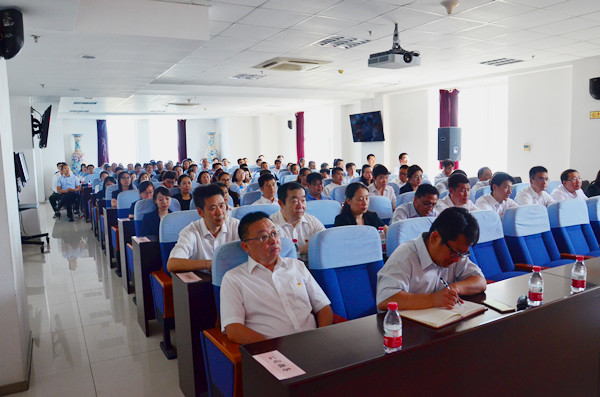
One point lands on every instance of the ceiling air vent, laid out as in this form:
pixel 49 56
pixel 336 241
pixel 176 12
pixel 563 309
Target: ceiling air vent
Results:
pixel 291 64
pixel 244 76
pixel 501 61
pixel 85 102
pixel 342 42
pixel 79 111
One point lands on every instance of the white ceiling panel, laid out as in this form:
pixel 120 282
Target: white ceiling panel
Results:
pixel 357 10
pixel 434 6
pixel 566 26
pixel 495 11
pixel 240 30
pixel 573 49
pixel 273 18
pixel 549 42
pixel 594 16
pixel 585 35
pixel 576 7
pixel 406 18
pixel 296 38
pixel 324 25
pixel 216 27
pixel 449 25
pixel 231 43
pixel 484 32
pixel 537 3
pixel 519 37
pixel 304 6
pixel 531 19
pixel 228 12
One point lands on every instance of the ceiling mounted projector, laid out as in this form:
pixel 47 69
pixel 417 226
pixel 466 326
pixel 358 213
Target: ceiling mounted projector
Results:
pixel 395 58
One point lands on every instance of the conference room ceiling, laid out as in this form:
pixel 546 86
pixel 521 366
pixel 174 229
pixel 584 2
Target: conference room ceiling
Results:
pixel 133 74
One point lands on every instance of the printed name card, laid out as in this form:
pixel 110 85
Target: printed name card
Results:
pixel 279 365
pixel 143 239
pixel 189 277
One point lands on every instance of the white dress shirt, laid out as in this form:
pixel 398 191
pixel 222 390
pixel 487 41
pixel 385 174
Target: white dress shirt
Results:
pixel 55 177
pixel 408 211
pixel 446 202
pixel 327 189
pixel 388 192
pixel 274 303
pixel 481 184
pixel 398 182
pixel 442 186
pixel 439 177
pixel 529 196
pixel 561 193
pixel 488 202
pixel 304 229
pixel 264 200
pixel 196 242
pixel 411 269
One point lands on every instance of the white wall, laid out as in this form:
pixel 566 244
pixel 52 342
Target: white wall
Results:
pixel 15 340
pixel 539 114
pixel 88 142
pixel 585 136
pixel 197 137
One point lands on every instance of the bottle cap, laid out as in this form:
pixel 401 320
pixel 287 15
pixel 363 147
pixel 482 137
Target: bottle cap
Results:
pixel 295 240
pixel 380 228
pixel 537 269
pixel 392 306
pixel 579 258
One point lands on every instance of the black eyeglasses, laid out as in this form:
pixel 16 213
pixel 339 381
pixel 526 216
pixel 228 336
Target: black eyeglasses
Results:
pixel 265 237
pixel 456 254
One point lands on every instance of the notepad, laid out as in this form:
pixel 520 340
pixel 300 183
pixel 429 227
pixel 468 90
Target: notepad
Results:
pixel 437 317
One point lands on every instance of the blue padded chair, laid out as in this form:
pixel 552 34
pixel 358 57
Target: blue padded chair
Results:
pixel 339 194
pixel 444 194
pixel 480 192
pixel 473 180
pixel 327 181
pixel 593 205
pixel 396 188
pixel 570 224
pixel 124 201
pixel 345 261
pixel 382 206
pixel 250 197
pixel 95 183
pixel 408 229
pixel 426 182
pixel 239 212
pixel 283 173
pixel 156 184
pixel 252 187
pixel 405 198
pixel 357 179
pixel 553 185
pixel 194 185
pixel 528 236
pixel 288 178
pixel 517 187
pixel 161 283
pixel 223 373
pixel 324 210
pixel 491 253
pixel 472 196
pixel 108 194
pixel 174 190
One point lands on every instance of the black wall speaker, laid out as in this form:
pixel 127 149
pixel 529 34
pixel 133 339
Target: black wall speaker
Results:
pixel 595 87
pixel 290 124
pixel 449 143
pixel 11 32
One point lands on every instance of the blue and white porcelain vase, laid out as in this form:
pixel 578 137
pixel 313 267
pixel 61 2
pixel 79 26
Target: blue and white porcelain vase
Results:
pixel 211 151
pixel 77 156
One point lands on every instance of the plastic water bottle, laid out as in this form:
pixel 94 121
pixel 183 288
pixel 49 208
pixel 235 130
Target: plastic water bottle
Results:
pixel 578 275
pixel 382 237
pixel 536 287
pixel 392 329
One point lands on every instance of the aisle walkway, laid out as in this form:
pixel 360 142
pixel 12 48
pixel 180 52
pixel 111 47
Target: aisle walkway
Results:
pixel 87 341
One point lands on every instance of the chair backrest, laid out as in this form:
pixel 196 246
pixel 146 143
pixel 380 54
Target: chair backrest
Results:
pixel 396 188
pixel 426 182
pixel 473 180
pixel 229 255
pixel 252 187
pixel 288 178
pixel 339 193
pixel 593 205
pixel 124 201
pixel 108 193
pixel 156 184
pixel 168 233
pixel 356 179
pixel 240 212
pixel 174 190
pixel 553 185
pixel 517 187
pixel 324 210
pixel 408 229
pixel 444 194
pixel 382 206
pixel 250 197
pixel 405 198
pixel 142 207
pixel 89 178
pixel 570 224
pixel 283 173
pixel 484 190
pixel 327 181
pixel 345 260
pixel 491 252
pixel 96 182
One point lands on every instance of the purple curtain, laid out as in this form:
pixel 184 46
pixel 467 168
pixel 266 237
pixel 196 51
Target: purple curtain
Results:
pixel 449 108
pixel 300 135
pixel 102 142
pixel 181 140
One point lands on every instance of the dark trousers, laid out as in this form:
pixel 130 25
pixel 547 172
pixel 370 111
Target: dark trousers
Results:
pixel 68 200
pixel 54 197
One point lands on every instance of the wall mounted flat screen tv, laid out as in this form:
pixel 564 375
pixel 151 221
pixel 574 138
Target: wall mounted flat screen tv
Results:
pixel 41 125
pixel 21 171
pixel 367 127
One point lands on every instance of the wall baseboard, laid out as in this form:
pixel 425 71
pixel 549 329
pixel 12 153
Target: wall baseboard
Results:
pixel 24 384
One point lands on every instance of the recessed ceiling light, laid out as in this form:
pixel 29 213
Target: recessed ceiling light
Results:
pixel 88 57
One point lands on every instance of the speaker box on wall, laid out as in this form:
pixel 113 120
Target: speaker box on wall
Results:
pixel 449 143
pixel 595 87
pixel 11 32
pixel 290 124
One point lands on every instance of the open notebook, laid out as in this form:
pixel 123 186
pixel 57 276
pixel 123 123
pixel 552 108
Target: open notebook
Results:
pixel 437 317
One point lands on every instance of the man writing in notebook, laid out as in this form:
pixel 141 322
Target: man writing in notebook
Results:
pixel 415 273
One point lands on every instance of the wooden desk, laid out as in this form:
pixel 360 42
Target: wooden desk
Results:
pixel 126 231
pixel 86 193
pixel 110 220
pixel 552 350
pixel 146 259
pixel 195 311
pixel 593 270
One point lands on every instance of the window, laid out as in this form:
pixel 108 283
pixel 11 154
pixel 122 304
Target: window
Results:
pixel 122 134
pixel 163 139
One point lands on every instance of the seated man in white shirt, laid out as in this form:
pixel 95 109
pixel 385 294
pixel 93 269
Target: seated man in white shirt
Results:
pixel 536 192
pixel 402 177
pixel 485 175
pixel 312 165
pixel 499 199
pixel 423 204
pixel 570 188
pixel 413 274
pixel 442 185
pixel 268 187
pixel 337 176
pixel 350 173
pixel 447 168
pixel 315 187
pixel 380 187
pixel 277 167
pixel 198 240
pixel 291 219
pixel 460 192
pixel 257 301
pixel 371 159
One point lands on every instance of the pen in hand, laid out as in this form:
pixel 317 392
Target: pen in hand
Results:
pixel 448 286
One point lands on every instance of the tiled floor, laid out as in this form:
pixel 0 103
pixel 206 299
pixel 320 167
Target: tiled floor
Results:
pixel 87 341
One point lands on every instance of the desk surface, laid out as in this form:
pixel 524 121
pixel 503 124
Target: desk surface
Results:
pixel 593 270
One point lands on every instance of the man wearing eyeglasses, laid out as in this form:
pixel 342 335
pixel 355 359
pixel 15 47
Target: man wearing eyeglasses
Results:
pixel 269 296
pixel 198 240
pixel 570 188
pixel 413 274
pixel 423 204
pixel 536 193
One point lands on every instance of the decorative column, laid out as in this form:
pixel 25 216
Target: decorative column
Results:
pixel 211 151
pixel 77 157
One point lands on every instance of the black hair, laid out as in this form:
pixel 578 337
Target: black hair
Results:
pixel 350 165
pixel 453 222
pixel 336 169
pixel 412 170
pixel 535 170
pixel 215 165
pixel 204 192
pixel 109 179
pixel 499 178
pixel 336 162
pixel 137 165
pixel 234 172
pixel 325 170
pixel 161 190
pixel 447 163
pixel 169 175
pixel 119 181
pixel 142 187
pixel 481 171
pixel 404 167
pixel 175 166
pixel 263 172
pixel 181 178
pixel 380 169
pixel 400 156
pixel 314 176
pixel 324 165
pixel 425 189
pixel 103 172
pixel 199 177
pixel 369 156
pixel 362 174
pixel 302 170
pixel 248 220
pixel 264 178
pixel 564 176
pixel 223 173
pixel 283 190
pixel 457 179
pixel 350 192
